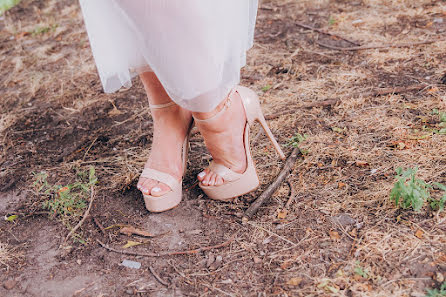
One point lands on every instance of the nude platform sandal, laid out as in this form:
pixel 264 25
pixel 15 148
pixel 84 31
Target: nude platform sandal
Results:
pixel 237 184
pixel 172 198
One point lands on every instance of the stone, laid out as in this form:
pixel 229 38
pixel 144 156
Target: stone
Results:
pixel 9 284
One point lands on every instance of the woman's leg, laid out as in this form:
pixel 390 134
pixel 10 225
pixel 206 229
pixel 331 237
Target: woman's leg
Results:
pixel 170 125
pixel 224 137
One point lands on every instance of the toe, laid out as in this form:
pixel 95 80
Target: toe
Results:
pixel 147 186
pixel 212 180
pixel 159 190
pixel 218 180
pixel 206 179
pixel 201 175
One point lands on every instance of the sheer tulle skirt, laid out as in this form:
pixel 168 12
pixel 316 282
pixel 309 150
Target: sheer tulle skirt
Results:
pixel 195 47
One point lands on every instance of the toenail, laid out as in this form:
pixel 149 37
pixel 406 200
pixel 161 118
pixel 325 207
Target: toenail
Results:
pixel 202 174
pixel 156 189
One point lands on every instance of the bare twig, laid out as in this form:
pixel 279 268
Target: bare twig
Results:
pixel 88 149
pixel 292 195
pixel 97 223
pixel 252 210
pixel 365 47
pixel 174 253
pixel 157 277
pixel 325 33
pixel 92 196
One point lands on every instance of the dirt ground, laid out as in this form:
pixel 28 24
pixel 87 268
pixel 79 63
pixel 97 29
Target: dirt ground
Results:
pixel 340 236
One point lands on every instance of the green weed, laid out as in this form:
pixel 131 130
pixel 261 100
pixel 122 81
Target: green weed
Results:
pixel 7 4
pixel 266 88
pixel 409 191
pixel 66 202
pixel 440 203
pixel 412 192
pixel 359 270
pixel 331 21
pixel 295 140
pixel 43 29
pixel 437 292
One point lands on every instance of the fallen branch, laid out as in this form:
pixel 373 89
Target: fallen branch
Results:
pixel 325 33
pixel 174 253
pixel 252 210
pixel 292 195
pixel 99 225
pixel 92 196
pixel 157 277
pixel 365 47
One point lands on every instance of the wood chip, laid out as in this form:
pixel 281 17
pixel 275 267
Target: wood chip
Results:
pixel 294 281
pixel 419 233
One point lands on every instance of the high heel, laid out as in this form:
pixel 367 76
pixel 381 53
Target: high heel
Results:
pixel 174 196
pixel 237 184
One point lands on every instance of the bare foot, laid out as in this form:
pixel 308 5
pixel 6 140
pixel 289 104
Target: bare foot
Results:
pixel 170 126
pixel 223 136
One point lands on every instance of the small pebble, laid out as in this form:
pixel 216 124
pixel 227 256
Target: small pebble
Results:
pixel 9 284
pixel 131 264
pixel 438 20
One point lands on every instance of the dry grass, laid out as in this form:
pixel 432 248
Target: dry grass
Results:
pixel 49 84
pixel 6 255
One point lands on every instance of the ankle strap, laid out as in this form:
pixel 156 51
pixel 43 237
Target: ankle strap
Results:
pixel 220 112
pixel 159 106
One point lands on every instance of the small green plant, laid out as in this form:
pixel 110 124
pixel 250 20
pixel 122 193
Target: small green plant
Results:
pixel 440 203
pixel 66 202
pixel 266 88
pixel 441 292
pixel 296 140
pixel 43 29
pixel 331 21
pixel 359 270
pixel 409 191
pixel 7 4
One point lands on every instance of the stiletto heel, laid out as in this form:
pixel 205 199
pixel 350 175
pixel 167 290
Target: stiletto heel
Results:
pixel 237 184
pixel 174 196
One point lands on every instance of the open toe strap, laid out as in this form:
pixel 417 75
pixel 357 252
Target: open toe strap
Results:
pixel 163 177
pixel 224 172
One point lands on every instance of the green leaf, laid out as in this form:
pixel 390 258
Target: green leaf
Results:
pixel 7 4
pixel 266 88
pixel 11 218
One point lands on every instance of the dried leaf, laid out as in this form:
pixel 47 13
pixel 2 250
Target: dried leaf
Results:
pixel 130 230
pixel 419 233
pixel 341 185
pixel 114 112
pixel 360 163
pixel 285 265
pixel 281 214
pixel 294 281
pixel 131 243
pixel 334 235
pixel 217 263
